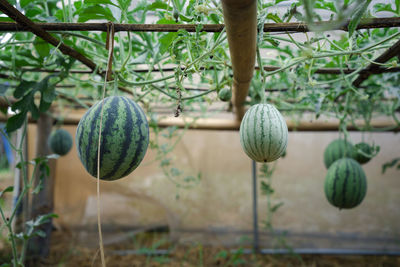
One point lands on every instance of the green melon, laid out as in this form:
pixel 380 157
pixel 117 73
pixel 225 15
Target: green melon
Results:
pixel 225 94
pixel 366 149
pixel 345 184
pixel 263 133
pixel 337 149
pixel 124 138
pixel 60 142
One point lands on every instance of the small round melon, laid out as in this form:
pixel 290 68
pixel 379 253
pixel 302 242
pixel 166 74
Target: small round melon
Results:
pixel 337 149
pixel 60 142
pixel 263 133
pixel 345 184
pixel 225 94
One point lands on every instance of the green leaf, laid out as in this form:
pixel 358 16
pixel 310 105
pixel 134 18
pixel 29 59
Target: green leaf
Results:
pixel 124 4
pixel 27 104
pixel 43 105
pixel 59 15
pixel 34 111
pixel 44 218
pixel 166 21
pixel 175 172
pixel 24 3
pixel 389 164
pixel 8 189
pixel 276 206
pixel 166 41
pixel 23 88
pixel 47 90
pixel 274 18
pixel 38 188
pixel 41 47
pixel 158 5
pixel 327 6
pixel 33 11
pixel 96 12
pixel 15 122
pixel 23 104
pixel 40 233
pixel 272 41
pixel 107 2
pixel 356 17
pixel 397 7
pixel 22 236
pixel 266 188
pixel 384 7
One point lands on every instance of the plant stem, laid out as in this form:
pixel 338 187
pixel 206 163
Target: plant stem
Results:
pixel 145 82
pixel 262 72
pixel 183 98
pixel 11 235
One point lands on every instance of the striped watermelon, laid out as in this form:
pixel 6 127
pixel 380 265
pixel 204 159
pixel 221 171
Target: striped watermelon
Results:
pixel 124 141
pixel 263 133
pixel 60 142
pixel 337 149
pixel 345 184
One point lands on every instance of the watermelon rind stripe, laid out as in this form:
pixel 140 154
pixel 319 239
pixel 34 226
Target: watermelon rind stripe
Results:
pixel 249 147
pixel 262 131
pixel 140 148
pixel 344 186
pixel 254 114
pixel 93 138
pixel 271 131
pixel 110 122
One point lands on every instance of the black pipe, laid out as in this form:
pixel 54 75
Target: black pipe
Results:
pixel 255 211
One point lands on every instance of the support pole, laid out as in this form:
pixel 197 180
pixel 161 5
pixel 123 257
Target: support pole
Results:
pixel 255 208
pixel 241 28
pixel 42 202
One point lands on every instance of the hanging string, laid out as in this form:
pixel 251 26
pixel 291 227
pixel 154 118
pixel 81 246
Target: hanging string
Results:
pixel 110 47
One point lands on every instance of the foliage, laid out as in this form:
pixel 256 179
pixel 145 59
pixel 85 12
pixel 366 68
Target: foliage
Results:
pixel 200 59
pixel 267 171
pixel 19 240
pixel 163 142
pixel 391 164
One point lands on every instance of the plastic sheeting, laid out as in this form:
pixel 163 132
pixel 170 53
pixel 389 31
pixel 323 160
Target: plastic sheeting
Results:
pixel 218 210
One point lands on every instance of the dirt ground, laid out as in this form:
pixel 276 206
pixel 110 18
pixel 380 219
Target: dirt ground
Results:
pixel 65 251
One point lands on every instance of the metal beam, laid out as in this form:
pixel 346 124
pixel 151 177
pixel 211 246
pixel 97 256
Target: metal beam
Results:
pixel 372 67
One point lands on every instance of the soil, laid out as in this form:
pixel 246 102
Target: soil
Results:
pixel 66 251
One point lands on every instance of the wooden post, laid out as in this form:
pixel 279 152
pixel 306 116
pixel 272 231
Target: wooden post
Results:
pixel 241 28
pixel 42 202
